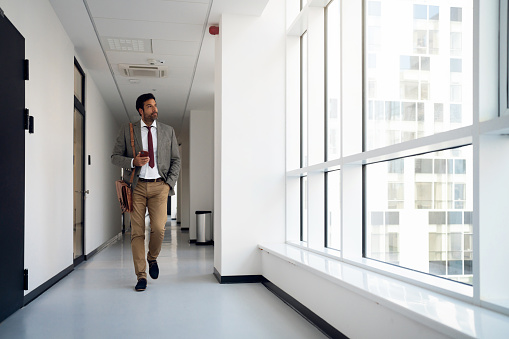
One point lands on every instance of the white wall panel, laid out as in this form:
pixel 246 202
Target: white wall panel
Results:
pixel 201 165
pixel 252 138
pixel 184 190
pixel 102 211
pixel 216 217
pixel 493 169
pixel 49 151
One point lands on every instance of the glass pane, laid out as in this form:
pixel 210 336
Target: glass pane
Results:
pixel 373 38
pixel 333 80
pixel 420 12
pixel 427 71
pixel 418 201
pixel 434 13
pixel 456 43
pixel 303 209
pixel 78 84
pixel 374 8
pixel 456 14
pixel 456 65
pixel 333 210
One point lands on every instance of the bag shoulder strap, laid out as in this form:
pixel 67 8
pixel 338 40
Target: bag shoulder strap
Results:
pixel 132 145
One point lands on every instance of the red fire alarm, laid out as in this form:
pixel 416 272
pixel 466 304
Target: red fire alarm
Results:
pixel 214 30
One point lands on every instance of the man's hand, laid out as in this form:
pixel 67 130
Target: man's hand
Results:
pixel 140 161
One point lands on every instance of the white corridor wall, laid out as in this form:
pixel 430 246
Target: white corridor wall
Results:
pixel 49 180
pixel 249 138
pixel 201 165
pixel 102 211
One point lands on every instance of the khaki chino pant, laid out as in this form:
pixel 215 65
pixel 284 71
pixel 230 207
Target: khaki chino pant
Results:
pixel 153 195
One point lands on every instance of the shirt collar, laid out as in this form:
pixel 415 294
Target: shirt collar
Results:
pixel 154 124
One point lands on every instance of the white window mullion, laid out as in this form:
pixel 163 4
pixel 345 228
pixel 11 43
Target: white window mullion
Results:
pixel 504 75
pixel 351 127
pixel 488 222
pixel 476 262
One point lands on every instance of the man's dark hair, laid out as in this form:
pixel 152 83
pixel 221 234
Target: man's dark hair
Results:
pixel 141 100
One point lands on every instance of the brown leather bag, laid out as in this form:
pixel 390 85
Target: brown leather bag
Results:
pixel 124 191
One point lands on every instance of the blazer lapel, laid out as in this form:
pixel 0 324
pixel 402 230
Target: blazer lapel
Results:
pixel 138 145
pixel 159 141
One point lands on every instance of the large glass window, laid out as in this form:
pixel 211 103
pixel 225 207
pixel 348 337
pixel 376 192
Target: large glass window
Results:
pixel 419 213
pixel 407 73
pixel 405 162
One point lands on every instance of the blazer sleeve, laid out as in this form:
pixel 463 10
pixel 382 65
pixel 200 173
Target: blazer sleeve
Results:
pixel 121 155
pixel 175 161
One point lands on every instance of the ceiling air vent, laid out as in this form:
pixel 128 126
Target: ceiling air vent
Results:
pixel 153 71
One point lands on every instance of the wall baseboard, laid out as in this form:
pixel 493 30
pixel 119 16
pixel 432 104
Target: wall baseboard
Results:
pixel 237 279
pixel 305 312
pixel 205 243
pixel 44 287
pixel 103 246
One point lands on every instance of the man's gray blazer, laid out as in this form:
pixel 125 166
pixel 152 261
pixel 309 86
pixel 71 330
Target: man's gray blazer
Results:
pixel 168 158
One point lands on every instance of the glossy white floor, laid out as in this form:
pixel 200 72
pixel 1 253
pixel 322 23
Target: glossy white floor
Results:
pixel 97 300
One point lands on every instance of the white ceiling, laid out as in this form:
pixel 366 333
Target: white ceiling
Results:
pixel 178 32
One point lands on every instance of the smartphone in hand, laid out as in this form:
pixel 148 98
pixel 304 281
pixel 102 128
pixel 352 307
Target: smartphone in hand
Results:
pixel 143 154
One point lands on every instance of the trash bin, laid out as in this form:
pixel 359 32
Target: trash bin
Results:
pixel 203 228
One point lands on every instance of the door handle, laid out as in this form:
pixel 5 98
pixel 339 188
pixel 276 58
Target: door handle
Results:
pixel 87 191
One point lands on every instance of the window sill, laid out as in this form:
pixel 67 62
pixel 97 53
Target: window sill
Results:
pixel 437 284
pixel 449 315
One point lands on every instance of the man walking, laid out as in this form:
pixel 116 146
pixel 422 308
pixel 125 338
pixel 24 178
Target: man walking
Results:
pixel 154 179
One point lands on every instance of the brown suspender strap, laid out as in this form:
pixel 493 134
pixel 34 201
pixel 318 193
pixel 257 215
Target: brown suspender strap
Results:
pixel 132 145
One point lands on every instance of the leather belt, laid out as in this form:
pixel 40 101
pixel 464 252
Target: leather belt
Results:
pixel 150 180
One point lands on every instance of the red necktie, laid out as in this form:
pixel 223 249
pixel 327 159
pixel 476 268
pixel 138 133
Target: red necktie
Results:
pixel 150 148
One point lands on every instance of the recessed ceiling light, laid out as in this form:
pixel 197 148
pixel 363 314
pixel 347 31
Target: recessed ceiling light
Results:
pixel 127 45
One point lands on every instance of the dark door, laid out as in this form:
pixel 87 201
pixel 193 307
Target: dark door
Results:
pixel 12 165
pixel 79 164
pixel 79 189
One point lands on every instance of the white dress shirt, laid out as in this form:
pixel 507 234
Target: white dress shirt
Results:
pixel 146 171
